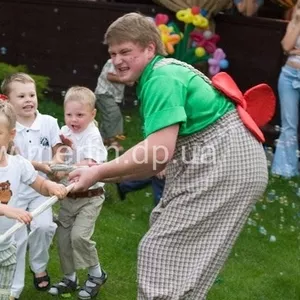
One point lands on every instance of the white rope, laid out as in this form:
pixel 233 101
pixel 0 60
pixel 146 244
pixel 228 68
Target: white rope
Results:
pixel 48 203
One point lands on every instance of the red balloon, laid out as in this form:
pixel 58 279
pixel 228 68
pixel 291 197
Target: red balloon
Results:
pixel 195 10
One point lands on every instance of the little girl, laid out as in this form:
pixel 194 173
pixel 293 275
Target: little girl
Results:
pixel 14 171
pixel 79 212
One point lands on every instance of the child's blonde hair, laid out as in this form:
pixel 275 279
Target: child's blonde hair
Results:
pixel 81 94
pixel 16 77
pixel 7 110
pixel 136 28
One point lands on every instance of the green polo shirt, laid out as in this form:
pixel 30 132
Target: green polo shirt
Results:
pixel 173 94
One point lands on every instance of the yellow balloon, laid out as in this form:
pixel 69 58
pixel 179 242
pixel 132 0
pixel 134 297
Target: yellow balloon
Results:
pixel 200 21
pixel 185 15
pixel 199 51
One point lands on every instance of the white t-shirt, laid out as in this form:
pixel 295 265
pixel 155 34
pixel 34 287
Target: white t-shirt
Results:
pixel 106 87
pixel 87 144
pixel 19 171
pixel 35 143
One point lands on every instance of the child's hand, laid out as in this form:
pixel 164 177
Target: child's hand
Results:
pixel 56 189
pixel 19 214
pixel 66 141
pixel 45 168
pixel 42 167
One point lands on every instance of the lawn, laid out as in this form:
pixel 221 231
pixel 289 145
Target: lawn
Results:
pixel 263 265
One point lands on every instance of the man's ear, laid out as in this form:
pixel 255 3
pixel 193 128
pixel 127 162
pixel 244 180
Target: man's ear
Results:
pixel 151 48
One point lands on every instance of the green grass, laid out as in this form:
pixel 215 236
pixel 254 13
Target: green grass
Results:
pixel 257 269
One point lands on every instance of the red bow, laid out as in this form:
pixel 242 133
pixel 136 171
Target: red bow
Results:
pixel 255 107
pixel 3 97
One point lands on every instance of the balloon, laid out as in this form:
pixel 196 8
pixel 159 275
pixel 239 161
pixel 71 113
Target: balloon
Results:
pixel 209 44
pixel 185 15
pixel 199 51
pixel 217 62
pixel 203 12
pixel 213 70
pixel 219 54
pixel 224 63
pixel 195 10
pixel 161 19
pixel 207 34
pixel 213 62
pixel 200 21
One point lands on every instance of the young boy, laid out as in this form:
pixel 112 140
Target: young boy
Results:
pixel 79 212
pixel 37 139
pixel 110 93
pixel 216 169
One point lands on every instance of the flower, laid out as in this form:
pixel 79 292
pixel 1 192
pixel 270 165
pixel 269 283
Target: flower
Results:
pixel 168 38
pixel 205 40
pixel 189 16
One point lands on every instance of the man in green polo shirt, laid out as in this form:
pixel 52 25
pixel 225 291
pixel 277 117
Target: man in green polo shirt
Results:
pixel 215 168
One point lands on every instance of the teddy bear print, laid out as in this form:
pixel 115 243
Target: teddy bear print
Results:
pixel 5 192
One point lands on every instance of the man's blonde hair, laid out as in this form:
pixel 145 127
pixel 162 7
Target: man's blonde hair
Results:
pixel 82 94
pixel 135 28
pixel 16 77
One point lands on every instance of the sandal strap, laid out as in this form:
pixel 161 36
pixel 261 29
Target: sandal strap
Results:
pixel 93 290
pixel 39 280
pixel 95 280
pixel 70 286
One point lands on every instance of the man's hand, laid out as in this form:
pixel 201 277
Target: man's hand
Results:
pixel 84 178
pixel 161 174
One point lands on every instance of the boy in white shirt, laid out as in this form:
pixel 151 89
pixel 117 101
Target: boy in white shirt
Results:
pixel 37 139
pixel 79 212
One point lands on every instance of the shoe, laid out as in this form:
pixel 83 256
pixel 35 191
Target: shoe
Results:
pixel 64 288
pixel 121 194
pixel 38 280
pixel 88 292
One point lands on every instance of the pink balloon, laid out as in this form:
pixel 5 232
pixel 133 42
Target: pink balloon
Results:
pixel 219 54
pixel 213 62
pixel 213 70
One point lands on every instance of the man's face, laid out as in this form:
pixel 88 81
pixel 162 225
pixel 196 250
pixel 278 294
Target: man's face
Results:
pixel 130 59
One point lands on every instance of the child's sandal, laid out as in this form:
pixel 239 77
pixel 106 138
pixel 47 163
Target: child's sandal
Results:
pixel 92 291
pixel 64 288
pixel 39 280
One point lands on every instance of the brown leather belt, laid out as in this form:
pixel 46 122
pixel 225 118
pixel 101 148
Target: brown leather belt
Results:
pixel 87 194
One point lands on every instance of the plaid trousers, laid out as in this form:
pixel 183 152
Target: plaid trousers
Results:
pixel 212 183
pixel 7 270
